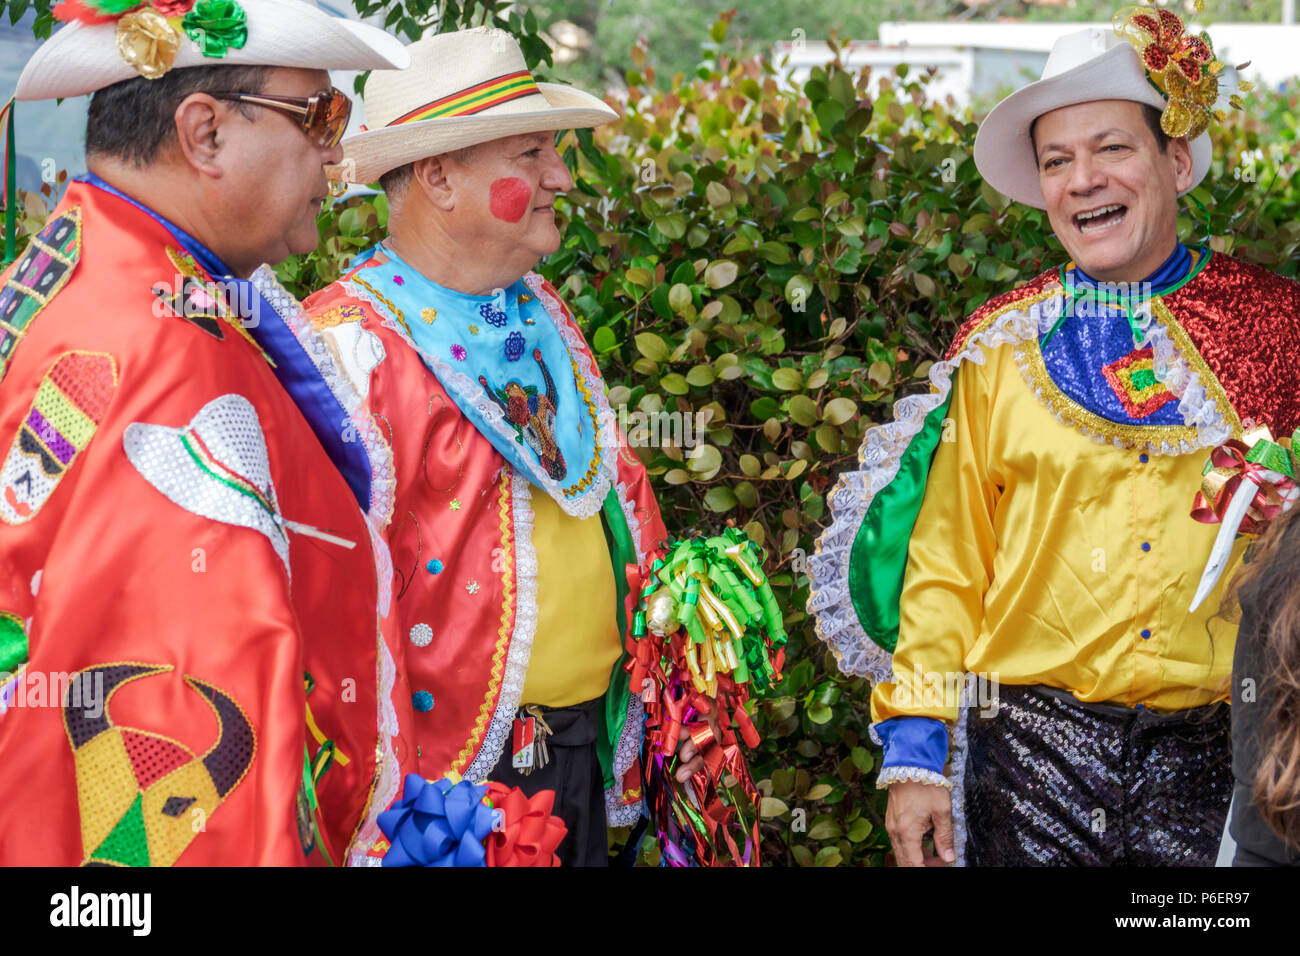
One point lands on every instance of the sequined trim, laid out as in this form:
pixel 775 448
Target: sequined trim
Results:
pixel 383 476
pixel 1203 403
pixel 957 753
pixel 590 502
pixel 387 778
pixel 881 451
pixel 911 775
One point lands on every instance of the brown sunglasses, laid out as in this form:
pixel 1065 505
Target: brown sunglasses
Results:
pixel 324 116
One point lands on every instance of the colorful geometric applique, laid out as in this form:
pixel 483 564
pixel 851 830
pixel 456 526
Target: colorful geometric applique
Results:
pixel 70 403
pixel 139 793
pixel 195 303
pixel 1133 379
pixel 204 303
pixel 216 467
pixel 533 416
pixel 44 269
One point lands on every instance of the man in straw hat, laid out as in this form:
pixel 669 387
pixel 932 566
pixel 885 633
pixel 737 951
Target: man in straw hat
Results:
pixel 1027 521
pixel 523 524
pixel 190 601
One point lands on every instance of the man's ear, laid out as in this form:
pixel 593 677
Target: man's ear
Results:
pixel 431 175
pixel 1183 165
pixel 198 121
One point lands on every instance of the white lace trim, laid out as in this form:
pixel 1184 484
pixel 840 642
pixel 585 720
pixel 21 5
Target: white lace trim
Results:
pixel 388 776
pixel 629 748
pixel 882 449
pixel 383 479
pixel 911 775
pixel 521 641
pixel 582 506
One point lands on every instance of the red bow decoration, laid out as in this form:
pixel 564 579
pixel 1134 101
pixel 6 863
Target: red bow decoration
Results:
pixel 1265 463
pixel 528 834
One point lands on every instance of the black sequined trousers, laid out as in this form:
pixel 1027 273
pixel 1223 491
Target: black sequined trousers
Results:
pixel 1051 781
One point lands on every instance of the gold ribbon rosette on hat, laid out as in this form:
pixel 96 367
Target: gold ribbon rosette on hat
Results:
pixel 1182 66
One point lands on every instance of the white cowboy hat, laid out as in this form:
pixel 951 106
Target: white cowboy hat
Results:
pixel 462 89
pixel 1090 65
pixel 82 58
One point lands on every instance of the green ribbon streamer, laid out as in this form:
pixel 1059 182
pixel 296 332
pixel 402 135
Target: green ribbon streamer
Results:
pixel 1274 456
pixel 216 26
pixel 754 606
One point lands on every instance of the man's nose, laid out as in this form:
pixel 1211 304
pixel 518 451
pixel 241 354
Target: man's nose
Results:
pixel 1086 174
pixel 556 175
pixel 330 155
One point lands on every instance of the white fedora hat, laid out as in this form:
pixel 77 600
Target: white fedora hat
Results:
pixel 462 88
pixel 83 57
pixel 1089 65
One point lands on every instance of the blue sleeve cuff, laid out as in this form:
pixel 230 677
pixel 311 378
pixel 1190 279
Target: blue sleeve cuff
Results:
pixel 913 742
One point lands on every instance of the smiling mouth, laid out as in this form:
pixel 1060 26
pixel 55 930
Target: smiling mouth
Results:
pixel 1103 217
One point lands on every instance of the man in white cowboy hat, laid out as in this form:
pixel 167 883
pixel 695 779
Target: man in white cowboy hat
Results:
pixel 1027 521
pixel 522 523
pixel 185 497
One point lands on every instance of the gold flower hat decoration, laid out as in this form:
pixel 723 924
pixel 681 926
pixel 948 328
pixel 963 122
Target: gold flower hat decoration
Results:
pixel 1179 64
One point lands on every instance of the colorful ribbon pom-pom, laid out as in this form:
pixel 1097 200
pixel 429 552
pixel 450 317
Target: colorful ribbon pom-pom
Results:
pixel 528 834
pixel 707 631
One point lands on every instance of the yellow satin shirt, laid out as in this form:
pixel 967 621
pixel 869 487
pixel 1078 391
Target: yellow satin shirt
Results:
pixel 1043 557
pixel 577 641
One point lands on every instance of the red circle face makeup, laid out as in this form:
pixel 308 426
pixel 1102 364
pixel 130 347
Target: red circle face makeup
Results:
pixel 509 198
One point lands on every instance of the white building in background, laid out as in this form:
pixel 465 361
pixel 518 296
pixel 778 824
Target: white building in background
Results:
pixel 974 62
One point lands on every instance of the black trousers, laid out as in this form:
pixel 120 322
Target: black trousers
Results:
pixel 573 772
pixel 1053 781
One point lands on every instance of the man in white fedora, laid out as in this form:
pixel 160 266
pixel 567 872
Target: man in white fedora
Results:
pixel 1027 522
pixel 194 604
pixel 523 525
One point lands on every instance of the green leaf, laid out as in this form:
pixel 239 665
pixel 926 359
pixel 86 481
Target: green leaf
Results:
pixel 674 384
pixel 720 274
pixel 787 379
pixel 652 346
pixel 720 499
pixel 603 340
pixel 839 410
pixel 803 410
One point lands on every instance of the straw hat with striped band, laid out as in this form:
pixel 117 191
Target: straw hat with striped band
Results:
pixel 462 89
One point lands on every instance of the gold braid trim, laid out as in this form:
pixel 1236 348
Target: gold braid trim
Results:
pixel 397 313
pixel 503 632
pixel 598 455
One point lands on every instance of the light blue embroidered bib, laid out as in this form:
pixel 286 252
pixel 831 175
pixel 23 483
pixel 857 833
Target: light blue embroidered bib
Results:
pixel 506 365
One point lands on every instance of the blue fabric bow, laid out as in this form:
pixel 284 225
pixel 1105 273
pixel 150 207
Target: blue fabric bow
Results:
pixel 437 823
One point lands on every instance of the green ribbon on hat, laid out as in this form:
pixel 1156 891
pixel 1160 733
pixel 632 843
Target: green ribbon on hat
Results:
pixel 216 26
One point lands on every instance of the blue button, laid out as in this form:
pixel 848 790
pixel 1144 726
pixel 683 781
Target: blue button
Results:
pixel 1145 633
pixel 1146 545
pixel 1143 458
pixel 1140 706
pixel 422 701
pixel 434 566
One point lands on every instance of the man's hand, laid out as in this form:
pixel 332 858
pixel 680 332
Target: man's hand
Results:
pixel 914 810
pixel 689 759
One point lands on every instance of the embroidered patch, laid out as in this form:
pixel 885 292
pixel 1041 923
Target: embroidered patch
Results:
pixel 44 269
pixel 216 467
pixel 338 316
pixel 70 403
pixel 428 315
pixel 140 793
pixel 458 352
pixel 1133 379
pixel 493 315
pixel 195 303
pixel 514 346
pixel 533 416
